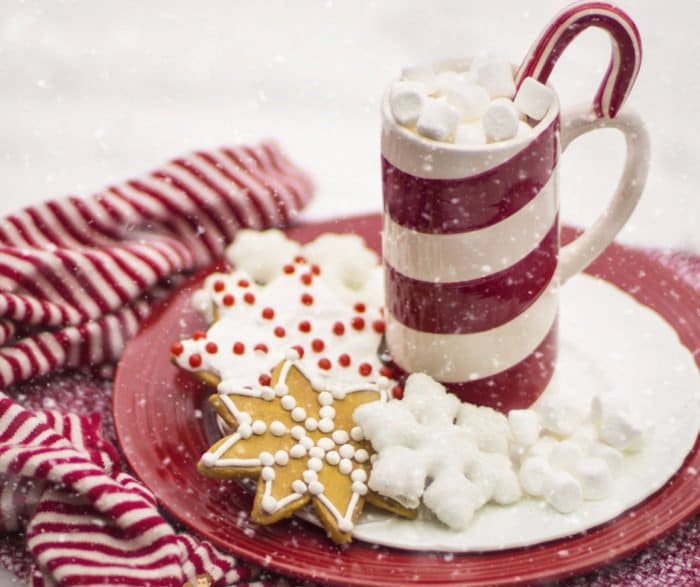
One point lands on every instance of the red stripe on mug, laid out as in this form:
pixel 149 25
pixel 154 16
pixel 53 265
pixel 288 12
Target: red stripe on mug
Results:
pixel 450 206
pixel 478 304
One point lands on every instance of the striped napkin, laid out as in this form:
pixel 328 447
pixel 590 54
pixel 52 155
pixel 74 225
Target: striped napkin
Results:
pixel 77 276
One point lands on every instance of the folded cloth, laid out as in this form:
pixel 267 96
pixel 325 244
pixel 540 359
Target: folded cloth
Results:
pixel 77 276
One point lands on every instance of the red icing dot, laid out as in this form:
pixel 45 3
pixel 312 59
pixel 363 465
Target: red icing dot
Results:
pixel 264 379
pixel 249 298
pixel 324 364
pixel 365 369
pixel 211 348
pixel 344 360
pixel 359 307
pixel 288 269
pixel 279 332
pixel 195 360
pixel 305 326
pixel 378 326
pixel 198 335
pixel 358 322
pixel 307 299
pixel 299 259
pixel 260 347
pixel 243 283
pixel 219 286
pixel 315 269
pixel 307 278
pixel 318 345
pixel 300 350
pixel 397 392
pixel 386 372
pixel 228 300
pixel 238 348
pixel 268 313
pixel 338 328
pixel 177 349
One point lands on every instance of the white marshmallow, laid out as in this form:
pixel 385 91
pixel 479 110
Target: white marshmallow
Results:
pixel 406 100
pixel 563 492
pixel 534 476
pixel 453 499
pixel 438 120
pixel 488 427
pixel 618 424
pixel 496 76
pixel 585 436
pixel 542 448
pixel 560 417
pixel 494 474
pixel 470 100
pixel 565 456
pixel 470 133
pixel 613 457
pixel 533 98
pixel 500 120
pixel 595 477
pixel 399 473
pixel 524 426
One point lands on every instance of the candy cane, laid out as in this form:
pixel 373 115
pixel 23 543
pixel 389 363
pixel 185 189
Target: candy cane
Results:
pixel 626 51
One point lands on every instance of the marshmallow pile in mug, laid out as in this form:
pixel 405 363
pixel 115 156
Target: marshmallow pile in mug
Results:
pixel 470 106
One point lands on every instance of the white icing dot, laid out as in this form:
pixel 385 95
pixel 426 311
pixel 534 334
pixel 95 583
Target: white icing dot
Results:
pixel 315 464
pixel 281 389
pixel 308 476
pixel 244 418
pixel 259 427
pixel 245 430
pixel 325 425
pixel 316 452
pixel 297 451
pixel 208 459
pixel 288 402
pixel 298 414
pixel 345 466
pixel 266 459
pixel 298 486
pixel 277 428
pixel 298 432
pixel 291 355
pixel 307 442
pixel 340 436
pixel 339 394
pixel 357 434
pixel 345 525
pixel 359 487
pixel 327 412
pixel 310 424
pixel 267 394
pixel 325 398
pixel 267 474
pixel 282 457
pixel 269 504
pixel 361 455
pixel 333 457
pixel 347 451
pixel 359 475
pixel 316 488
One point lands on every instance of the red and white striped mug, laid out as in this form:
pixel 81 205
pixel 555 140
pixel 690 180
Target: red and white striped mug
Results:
pixel 471 234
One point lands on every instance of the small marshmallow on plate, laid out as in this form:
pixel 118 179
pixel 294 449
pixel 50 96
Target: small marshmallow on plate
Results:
pixel 565 456
pixel 488 427
pixel 406 100
pixel 542 448
pixel 470 133
pixel 613 457
pixel 524 426
pixel 618 424
pixel 453 499
pixel 438 120
pixel 533 98
pixel 496 76
pixel 563 492
pixel 500 120
pixel 534 476
pixel 470 100
pixel 595 477
pixel 560 417
pixel 399 473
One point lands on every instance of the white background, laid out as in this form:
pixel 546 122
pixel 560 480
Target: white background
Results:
pixel 92 92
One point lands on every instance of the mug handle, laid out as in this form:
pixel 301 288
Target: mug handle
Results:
pixel 577 121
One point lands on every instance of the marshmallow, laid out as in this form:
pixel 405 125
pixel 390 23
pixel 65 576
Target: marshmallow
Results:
pixel 387 423
pixel 563 492
pixel 618 425
pixel 533 98
pixel 488 427
pixel 613 457
pixel 494 475
pixel 406 100
pixel 496 76
pixel 500 120
pixel 542 448
pixel 470 100
pixel 565 456
pixel 585 436
pixel 560 417
pixel 400 474
pixel 595 477
pixel 429 402
pixel 524 426
pixel 534 476
pixel 453 499
pixel 470 133
pixel 438 120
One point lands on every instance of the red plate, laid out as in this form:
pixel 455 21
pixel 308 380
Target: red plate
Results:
pixel 156 408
